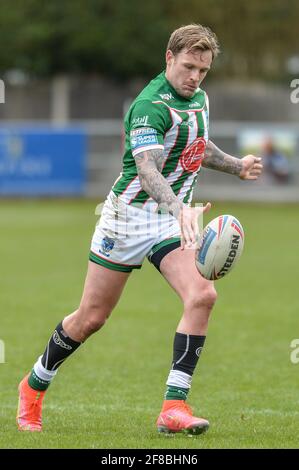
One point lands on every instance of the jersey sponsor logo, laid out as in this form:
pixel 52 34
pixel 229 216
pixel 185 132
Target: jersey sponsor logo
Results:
pixel 142 131
pixel 194 105
pixel 192 156
pixel 148 137
pixel 140 121
pixel 187 123
pixel 106 246
pixel 166 96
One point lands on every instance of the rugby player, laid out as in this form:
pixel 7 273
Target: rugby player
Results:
pixel 148 213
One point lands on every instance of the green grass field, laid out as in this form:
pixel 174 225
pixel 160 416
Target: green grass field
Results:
pixel 109 393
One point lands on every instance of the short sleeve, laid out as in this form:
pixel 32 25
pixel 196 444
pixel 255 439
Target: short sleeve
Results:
pixel 146 127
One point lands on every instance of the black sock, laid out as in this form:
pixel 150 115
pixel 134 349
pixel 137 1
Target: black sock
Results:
pixel 60 346
pixel 186 351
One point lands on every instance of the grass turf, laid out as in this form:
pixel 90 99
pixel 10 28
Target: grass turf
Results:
pixel 109 393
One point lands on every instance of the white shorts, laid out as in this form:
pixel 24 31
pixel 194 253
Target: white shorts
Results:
pixel 126 234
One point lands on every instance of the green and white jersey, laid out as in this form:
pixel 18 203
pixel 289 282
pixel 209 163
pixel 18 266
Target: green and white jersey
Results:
pixel 159 118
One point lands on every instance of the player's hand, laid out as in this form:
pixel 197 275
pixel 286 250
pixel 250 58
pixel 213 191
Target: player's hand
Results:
pixel 251 167
pixel 188 220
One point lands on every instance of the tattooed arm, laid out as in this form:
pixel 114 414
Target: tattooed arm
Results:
pixel 149 166
pixel 248 167
pixel 218 160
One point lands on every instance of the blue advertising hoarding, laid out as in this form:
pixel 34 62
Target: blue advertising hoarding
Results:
pixel 42 161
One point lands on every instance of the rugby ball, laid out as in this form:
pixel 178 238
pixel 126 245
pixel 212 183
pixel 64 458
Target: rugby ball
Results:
pixel 220 248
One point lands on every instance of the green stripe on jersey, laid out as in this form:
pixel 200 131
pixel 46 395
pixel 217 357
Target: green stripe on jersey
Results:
pixel 189 192
pixel 177 186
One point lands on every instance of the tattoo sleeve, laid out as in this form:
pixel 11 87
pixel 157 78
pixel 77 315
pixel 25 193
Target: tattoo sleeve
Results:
pixel 218 160
pixel 149 166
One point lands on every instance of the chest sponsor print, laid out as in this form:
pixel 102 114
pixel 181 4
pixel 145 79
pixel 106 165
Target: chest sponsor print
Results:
pixel 192 155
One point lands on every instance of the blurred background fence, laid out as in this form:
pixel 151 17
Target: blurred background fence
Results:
pixel 71 70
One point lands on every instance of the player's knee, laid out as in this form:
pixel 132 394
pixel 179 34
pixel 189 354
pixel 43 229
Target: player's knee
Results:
pixel 203 298
pixel 93 318
pixel 93 324
pixel 210 296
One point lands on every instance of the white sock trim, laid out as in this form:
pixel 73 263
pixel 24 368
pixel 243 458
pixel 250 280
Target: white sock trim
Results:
pixel 42 373
pixel 178 378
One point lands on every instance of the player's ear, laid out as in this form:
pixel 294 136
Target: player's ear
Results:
pixel 169 57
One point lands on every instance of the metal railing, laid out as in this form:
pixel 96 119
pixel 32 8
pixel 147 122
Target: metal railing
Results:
pixel 105 146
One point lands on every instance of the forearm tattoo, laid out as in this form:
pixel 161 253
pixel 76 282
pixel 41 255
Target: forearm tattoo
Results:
pixel 218 160
pixel 149 166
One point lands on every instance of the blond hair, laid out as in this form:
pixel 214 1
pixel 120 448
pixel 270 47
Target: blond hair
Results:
pixel 193 37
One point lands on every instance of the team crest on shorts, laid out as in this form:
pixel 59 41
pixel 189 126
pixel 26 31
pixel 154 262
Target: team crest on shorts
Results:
pixel 106 246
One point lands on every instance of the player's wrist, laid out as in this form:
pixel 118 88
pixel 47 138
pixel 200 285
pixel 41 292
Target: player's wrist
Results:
pixel 242 172
pixel 174 208
pixel 179 207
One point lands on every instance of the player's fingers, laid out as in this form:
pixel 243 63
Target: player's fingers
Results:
pixel 195 238
pixel 207 207
pixel 182 243
pixel 180 219
pixel 195 222
pixel 195 225
pixel 188 234
pixel 202 209
pixel 186 230
pixel 192 231
pixel 251 177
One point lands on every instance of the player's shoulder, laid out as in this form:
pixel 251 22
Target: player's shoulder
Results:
pixel 146 109
pixel 155 92
pixel 154 88
pixel 159 92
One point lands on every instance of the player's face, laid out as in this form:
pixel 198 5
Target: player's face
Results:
pixel 186 70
